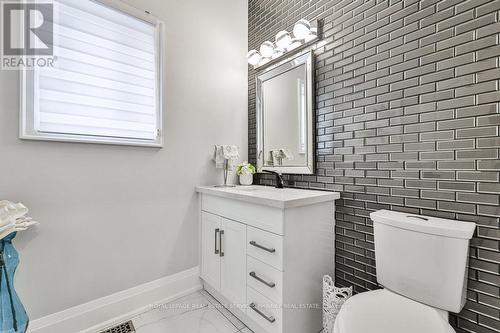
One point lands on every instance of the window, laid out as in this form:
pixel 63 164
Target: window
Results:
pixel 105 85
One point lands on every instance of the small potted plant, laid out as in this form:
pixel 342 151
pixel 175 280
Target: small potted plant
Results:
pixel 245 171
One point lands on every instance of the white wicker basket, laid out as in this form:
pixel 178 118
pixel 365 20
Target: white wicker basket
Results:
pixel 333 299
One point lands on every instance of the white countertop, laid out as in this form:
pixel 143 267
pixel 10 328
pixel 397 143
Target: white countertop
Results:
pixel 270 196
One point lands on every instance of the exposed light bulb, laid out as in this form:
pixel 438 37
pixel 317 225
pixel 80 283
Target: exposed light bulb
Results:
pixel 283 39
pixel 253 57
pixel 302 29
pixel 267 49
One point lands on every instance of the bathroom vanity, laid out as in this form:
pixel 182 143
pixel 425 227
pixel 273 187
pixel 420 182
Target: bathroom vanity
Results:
pixel 264 252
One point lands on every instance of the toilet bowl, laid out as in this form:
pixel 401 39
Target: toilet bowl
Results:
pixel 382 311
pixel 421 262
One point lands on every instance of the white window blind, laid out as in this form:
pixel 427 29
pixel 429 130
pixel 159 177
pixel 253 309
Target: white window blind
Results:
pixel 105 84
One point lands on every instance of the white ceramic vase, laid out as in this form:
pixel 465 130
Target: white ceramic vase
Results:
pixel 246 179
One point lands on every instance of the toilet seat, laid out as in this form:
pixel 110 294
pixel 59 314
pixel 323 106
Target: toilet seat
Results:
pixel 382 311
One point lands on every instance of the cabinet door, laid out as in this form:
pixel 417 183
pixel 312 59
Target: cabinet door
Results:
pixel 233 261
pixel 210 249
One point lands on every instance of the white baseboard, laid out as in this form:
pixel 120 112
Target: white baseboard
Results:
pixel 108 311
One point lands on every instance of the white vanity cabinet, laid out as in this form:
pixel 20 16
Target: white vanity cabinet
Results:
pixel 264 252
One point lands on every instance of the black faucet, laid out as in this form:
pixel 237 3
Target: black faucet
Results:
pixel 279 178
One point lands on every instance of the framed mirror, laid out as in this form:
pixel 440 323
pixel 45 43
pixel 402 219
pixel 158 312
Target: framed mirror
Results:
pixel 285 120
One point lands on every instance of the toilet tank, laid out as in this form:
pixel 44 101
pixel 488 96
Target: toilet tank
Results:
pixel 423 258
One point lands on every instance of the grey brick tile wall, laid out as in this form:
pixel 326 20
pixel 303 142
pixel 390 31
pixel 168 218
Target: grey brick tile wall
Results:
pixel 407 118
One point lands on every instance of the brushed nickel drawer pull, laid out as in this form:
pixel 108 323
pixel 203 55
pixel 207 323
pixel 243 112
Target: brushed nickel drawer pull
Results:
pixel 221 233
pixel 254 243
pixel 216 249
pixel 270 319
pixel 269 284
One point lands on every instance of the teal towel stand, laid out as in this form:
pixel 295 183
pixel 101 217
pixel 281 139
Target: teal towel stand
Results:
pixel 13 317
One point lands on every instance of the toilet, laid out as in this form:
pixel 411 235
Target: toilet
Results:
pixel 422 264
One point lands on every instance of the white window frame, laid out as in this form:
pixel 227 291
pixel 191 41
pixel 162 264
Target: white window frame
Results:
pixel 27 129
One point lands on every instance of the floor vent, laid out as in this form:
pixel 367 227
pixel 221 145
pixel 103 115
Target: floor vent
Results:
pixel 127 327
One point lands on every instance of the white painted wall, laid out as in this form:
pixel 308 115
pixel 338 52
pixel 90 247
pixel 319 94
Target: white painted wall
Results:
pixel 115 217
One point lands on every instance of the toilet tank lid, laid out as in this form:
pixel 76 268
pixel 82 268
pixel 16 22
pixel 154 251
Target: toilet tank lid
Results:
pixel 425 224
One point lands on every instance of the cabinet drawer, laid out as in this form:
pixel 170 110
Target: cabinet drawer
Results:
pixel 266 313
pixel 263 217
pixel 265 279
pixel 265 246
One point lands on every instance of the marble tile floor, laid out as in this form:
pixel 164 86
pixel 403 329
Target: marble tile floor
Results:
pixel 195 313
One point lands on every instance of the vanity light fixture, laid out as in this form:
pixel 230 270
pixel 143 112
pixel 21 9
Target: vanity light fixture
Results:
pixel 302 29
pixel 267 49
pixel 304 33
pixel 254 57
pixel 283 39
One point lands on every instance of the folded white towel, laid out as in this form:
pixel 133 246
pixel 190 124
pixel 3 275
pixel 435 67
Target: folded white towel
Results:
pixel 278 155
pixel 219 157
pixel 231 152
pixel 12 210
pixel 270 158
pixel 226 153
pixel 13 219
